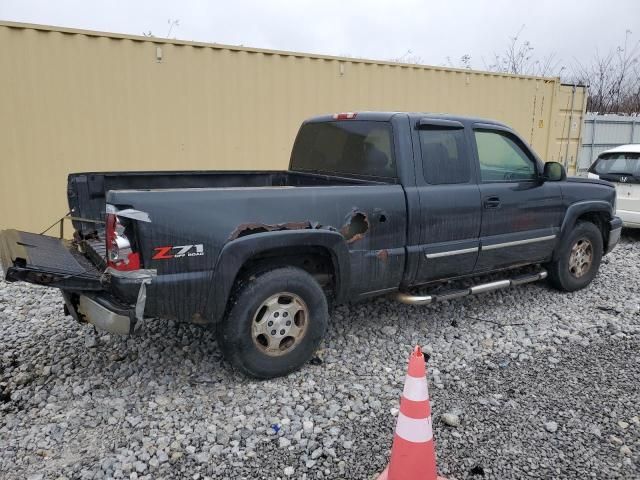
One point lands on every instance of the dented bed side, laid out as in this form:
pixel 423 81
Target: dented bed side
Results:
pixel 199 239
pixel 196 237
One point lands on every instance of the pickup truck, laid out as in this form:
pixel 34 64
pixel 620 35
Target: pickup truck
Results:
pixel 372 203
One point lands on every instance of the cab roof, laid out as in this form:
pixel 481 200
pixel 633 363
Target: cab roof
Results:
pixel 387 116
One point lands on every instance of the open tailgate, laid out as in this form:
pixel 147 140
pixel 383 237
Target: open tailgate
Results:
pixel 46 260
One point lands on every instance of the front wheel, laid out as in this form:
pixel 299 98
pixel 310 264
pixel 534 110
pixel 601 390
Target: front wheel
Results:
pixel 276 321
pixel 578 259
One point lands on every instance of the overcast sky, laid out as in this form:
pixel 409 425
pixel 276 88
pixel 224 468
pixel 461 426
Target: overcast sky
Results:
pixel 379 29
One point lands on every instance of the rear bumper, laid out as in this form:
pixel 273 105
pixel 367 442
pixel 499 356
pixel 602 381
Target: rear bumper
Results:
pixel 101 312
pixel 87 291
pixel 629 218
pixel 615 229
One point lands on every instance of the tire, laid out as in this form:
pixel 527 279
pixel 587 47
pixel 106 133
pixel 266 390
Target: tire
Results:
pixel 246 337
pixel 569 272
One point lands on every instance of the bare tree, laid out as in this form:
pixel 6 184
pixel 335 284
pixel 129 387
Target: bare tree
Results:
pixel 613 79
pixel 170 22
pixel 408 57
pixel 464 62
pixel 519 58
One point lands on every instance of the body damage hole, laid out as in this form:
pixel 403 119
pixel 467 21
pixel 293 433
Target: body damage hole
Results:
pixel 252 228
pixel 356 228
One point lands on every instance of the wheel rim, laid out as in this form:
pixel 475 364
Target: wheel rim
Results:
pixel 581 257
pixel 280 323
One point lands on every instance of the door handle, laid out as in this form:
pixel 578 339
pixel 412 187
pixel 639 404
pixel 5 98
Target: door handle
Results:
pixel 492 202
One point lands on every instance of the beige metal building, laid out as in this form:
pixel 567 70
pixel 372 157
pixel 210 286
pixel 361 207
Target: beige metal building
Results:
pixel 73 100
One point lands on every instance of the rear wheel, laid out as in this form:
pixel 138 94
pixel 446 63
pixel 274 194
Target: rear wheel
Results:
pixel 276 321
pixel 578 259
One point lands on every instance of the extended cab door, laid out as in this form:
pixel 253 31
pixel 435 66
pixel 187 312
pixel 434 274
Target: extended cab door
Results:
pixel 521 215
pixel 449 213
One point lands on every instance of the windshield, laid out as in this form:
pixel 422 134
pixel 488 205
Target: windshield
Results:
pixel 617 164
pixel 352 147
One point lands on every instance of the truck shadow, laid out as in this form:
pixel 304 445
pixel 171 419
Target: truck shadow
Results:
pixel 631 234
pixel 173 354
pixel 165 351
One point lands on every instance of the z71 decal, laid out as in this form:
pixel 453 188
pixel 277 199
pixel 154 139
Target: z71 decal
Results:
pixel 178 251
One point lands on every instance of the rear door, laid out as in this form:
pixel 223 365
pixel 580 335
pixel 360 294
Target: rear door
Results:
pixel 449 200
pixel 521 215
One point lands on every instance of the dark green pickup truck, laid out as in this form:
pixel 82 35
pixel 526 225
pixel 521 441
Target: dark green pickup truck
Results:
pixel 372 203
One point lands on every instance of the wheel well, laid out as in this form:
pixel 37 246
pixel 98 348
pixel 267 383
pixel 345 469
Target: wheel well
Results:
pixel 316 261
pixel 599 219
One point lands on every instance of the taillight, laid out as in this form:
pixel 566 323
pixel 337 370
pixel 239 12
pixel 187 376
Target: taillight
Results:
pixel 119 253
pixel 345 116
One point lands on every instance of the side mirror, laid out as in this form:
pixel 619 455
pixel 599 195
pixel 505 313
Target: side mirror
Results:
pixel 554 172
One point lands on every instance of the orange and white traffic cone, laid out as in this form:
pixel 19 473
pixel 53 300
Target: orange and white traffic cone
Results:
pixel 413 455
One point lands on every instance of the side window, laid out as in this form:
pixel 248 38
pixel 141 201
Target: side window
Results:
pixel 502 159
pixel 444 156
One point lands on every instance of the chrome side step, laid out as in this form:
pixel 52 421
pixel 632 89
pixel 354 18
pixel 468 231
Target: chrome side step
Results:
pixel 481 288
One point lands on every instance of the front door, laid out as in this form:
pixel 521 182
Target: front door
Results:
pixel 449 201
pixel 521 215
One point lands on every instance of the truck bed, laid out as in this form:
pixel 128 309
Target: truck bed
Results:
pixel 96 249
pixel 86 191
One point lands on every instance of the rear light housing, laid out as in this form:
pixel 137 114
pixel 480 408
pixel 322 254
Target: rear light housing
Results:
pixel 120 255
pixel 345 116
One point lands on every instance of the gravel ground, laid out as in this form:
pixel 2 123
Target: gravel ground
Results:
pixel 532 383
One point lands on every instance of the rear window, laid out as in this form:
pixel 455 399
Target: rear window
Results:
pixel 444 157
pixel 617 164
pixel 353 147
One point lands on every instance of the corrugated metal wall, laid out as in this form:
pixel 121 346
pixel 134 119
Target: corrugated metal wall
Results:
pixel 74 100
pixel 569 105
pixel 602 132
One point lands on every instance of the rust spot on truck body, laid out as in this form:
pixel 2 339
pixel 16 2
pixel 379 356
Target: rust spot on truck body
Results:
pixel 252 228
pixel 383 255
pixel 199 319
pixel 355 229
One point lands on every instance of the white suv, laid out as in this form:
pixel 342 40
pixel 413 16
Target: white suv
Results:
pixel 621 165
